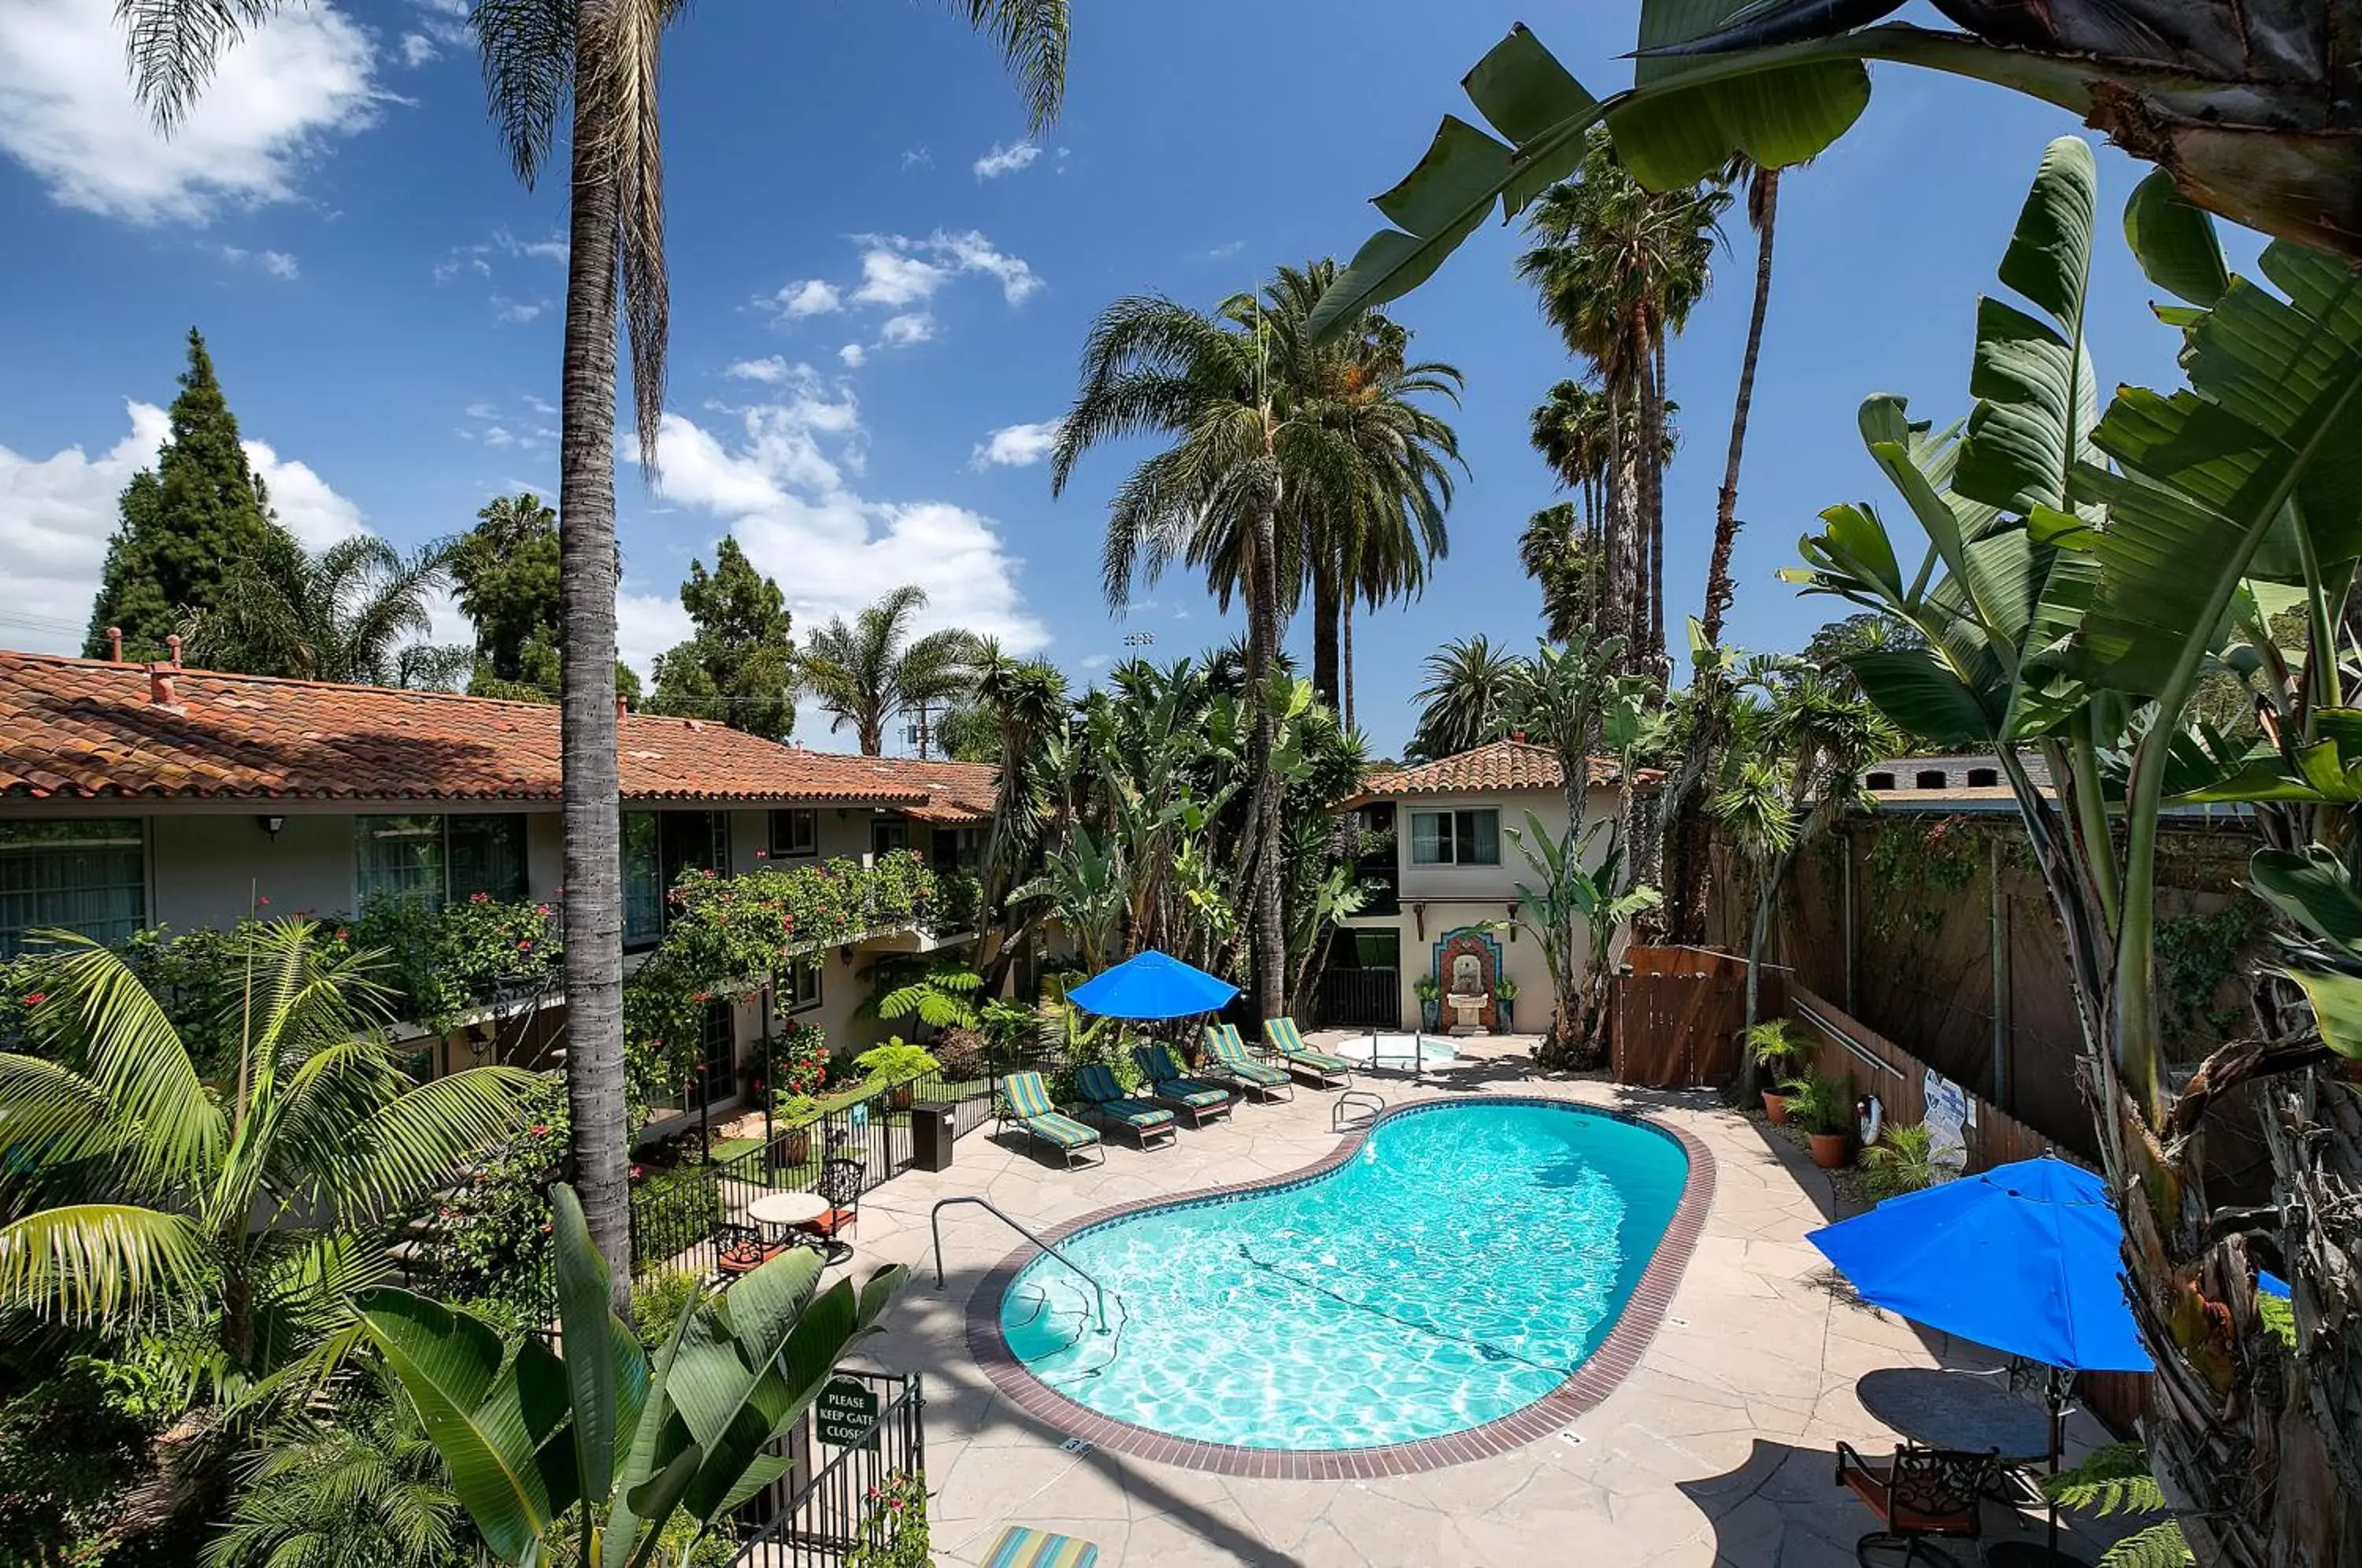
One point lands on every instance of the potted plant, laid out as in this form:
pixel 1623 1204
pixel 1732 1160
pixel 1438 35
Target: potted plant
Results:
pixel 1780 1052
pixel 1825 1105
pixel 794 1114
pixel 896 1066
pixel 1903 1160
pixel 1505 1006
pixel 1429 991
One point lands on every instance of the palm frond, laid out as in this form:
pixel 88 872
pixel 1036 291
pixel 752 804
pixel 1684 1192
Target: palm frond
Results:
pixel 1031 38
pixel 101 1263
pixel 174 45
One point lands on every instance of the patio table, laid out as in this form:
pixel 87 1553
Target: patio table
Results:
pixel 787 1209
pixel 1957 1410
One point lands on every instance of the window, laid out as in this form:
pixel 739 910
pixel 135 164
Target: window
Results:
pixel 717 1057
pixel 90 877
pixel 888 834
pixel 657 847
pixel 958 850
pixel 1929 779
pixel 1984 778
pixel 643 881
pixel 1881 780
pixel 795 833
pixel 432 859
pixel 1455 838
pixel 800 984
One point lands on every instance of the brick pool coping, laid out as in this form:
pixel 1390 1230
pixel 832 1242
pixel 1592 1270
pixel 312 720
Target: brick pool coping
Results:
pixel 1601 1372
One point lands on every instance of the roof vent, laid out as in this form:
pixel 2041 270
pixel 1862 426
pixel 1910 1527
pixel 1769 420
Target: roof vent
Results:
pixel 160 691
pixel 115 645
pixel 173 643
pixel 622 705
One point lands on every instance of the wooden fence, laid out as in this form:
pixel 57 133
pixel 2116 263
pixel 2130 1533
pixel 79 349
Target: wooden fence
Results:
pixel 1679 1011
pixel 1849 1049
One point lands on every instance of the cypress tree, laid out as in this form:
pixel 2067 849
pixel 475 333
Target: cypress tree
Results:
pixel 739 669
pixel 186 522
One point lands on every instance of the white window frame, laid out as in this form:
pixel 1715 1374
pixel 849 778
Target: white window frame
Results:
pixel 792 995
pixel 1449 840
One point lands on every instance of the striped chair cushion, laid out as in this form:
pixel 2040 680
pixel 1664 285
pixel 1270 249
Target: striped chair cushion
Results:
pixel 1157 1063
pixel 1020 1547
pixel 1232 1052
pixel 1136 1112
pixel 1027 1095
pixel 1284 1038
pixel 1223 1039
pixel 1061 1130
pixel 1097 1084
pixel 1190 1092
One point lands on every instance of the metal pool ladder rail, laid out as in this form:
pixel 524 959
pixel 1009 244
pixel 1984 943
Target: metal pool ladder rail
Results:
pixel 1375 1102
pixel 936 1226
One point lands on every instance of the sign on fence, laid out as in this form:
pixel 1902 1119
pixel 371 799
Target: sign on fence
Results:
pixel 845 1415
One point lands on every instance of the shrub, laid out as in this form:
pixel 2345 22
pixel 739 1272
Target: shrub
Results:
pixel 896 1062
pixel 496 1226
pixel 1903 1160
pixel 1824 1105
pixel 894 1525
pixel 963 1055
pixel 798 1059
pixel 657 1303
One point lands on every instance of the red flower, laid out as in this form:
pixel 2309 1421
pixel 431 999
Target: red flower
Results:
pixel 37 999
pixel 541 909
pixel 479 898
pixel 262 900
pixel 545 1227
pixel 541 1128
pixel 762 854
pixel 342 933
pixel 524 946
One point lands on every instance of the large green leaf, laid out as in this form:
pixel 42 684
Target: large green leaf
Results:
pixel 2174 242
pixel 1921 697
pixel 2336 1001
pixel 591 1330
pixel 2031 377
pixel 2312 888
pixel 500 1430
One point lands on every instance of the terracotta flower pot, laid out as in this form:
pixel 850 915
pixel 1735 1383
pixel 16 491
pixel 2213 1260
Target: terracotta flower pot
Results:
pixel 1775 1106
pixel 1829 1150
pixel 903 1096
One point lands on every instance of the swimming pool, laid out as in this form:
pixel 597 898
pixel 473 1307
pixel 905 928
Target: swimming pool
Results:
pixel 1463 1263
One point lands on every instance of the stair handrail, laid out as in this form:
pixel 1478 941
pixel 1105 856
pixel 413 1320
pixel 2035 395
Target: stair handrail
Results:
pixel 936 1226
pixel 1377 1103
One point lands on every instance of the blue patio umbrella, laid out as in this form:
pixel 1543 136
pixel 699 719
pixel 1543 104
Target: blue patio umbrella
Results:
pixel 2024 1258
pixel 1153 985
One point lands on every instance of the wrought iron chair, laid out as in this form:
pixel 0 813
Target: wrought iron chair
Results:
pixel 1919 1494
pixel 740 1250
pixel 840 1183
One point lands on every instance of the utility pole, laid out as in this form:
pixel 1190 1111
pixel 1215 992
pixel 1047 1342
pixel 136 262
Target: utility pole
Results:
pixel 918 734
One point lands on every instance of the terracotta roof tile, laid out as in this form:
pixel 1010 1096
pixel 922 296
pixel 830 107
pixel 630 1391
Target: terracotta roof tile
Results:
pixel 1503 765
pixel 86 729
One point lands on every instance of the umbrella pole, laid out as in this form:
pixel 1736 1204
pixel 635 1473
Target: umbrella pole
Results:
pixel 2057 1387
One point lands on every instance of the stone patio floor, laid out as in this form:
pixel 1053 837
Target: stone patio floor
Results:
pixel 1718 1450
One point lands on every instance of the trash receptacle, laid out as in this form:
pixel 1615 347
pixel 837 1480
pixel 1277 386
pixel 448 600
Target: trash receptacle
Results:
pixel 931 1131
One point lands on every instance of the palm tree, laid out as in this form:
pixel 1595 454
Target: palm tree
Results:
pixel 1246 397
pixel 1474 692
pixel 867 672
pixel 356 1486
pixel 147 1195
pixel 1762 186
pixel 1026 702
pixel 590 65
pixel 355 612
pixel 1619 268
pixel 1560 555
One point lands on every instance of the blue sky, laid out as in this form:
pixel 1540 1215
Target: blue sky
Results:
pixel 878 304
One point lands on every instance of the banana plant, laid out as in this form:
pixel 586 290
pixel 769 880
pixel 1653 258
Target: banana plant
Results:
pixel 1573 912
pixel 2079 580
pixel 2247 110
pixel 600 1448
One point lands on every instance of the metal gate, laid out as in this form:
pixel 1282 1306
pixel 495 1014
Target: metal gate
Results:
pixel 1361 999
pixel 834 1499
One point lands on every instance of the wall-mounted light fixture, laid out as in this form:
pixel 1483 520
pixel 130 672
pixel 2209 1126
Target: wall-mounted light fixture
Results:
pixel 271 826
pixel 1513 922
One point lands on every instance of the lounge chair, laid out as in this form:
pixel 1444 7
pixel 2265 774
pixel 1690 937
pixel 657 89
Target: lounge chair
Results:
pixel 1018 1547
pixel 1106 1100
pixel 1025 1100
pixel 1328 1072
pixel 1227 1061
pixel 1169 1085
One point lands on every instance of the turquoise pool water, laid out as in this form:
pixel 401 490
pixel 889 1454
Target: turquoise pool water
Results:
pixel 1459 1268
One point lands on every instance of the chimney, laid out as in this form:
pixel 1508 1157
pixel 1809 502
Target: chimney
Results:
pixel 1518 736
pixel 623 706
pixel 161 692
pixel 173 643
pixel 115 645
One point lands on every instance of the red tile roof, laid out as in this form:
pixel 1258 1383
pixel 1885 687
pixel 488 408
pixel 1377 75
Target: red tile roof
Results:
pixel 1503 765
pixel 84 729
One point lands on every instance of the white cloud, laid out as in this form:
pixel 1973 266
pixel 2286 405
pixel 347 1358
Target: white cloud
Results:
pixel 975 254
pixel 888 277
pixel 780 484
pixel 918 157
pixel 771 368
pixel 417 49
pixel 1225 250
pixel 854 355
pixel 507 309
pixel 646 625
pixel 495 429
pixel 1094 661
pixel 278 264
pixel 1005 160
pixel 1015 446
pixel 56 513
pixel 901 331
pixel 807 296
pixel 66 112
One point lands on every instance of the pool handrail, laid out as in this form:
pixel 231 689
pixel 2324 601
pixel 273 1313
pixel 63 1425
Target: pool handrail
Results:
pixel 1353 1096
pixel 936 1226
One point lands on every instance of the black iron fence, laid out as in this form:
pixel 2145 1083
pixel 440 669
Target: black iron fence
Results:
pixel 1360 999
pixel 856 1480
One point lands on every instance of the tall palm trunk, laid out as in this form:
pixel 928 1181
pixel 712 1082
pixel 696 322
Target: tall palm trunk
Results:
pixel 1326 633
pixel 1346 637
pixel 1268 939
pixel 593 821
pixel 1653 464
pixel 1764 211
pixel 1626 559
